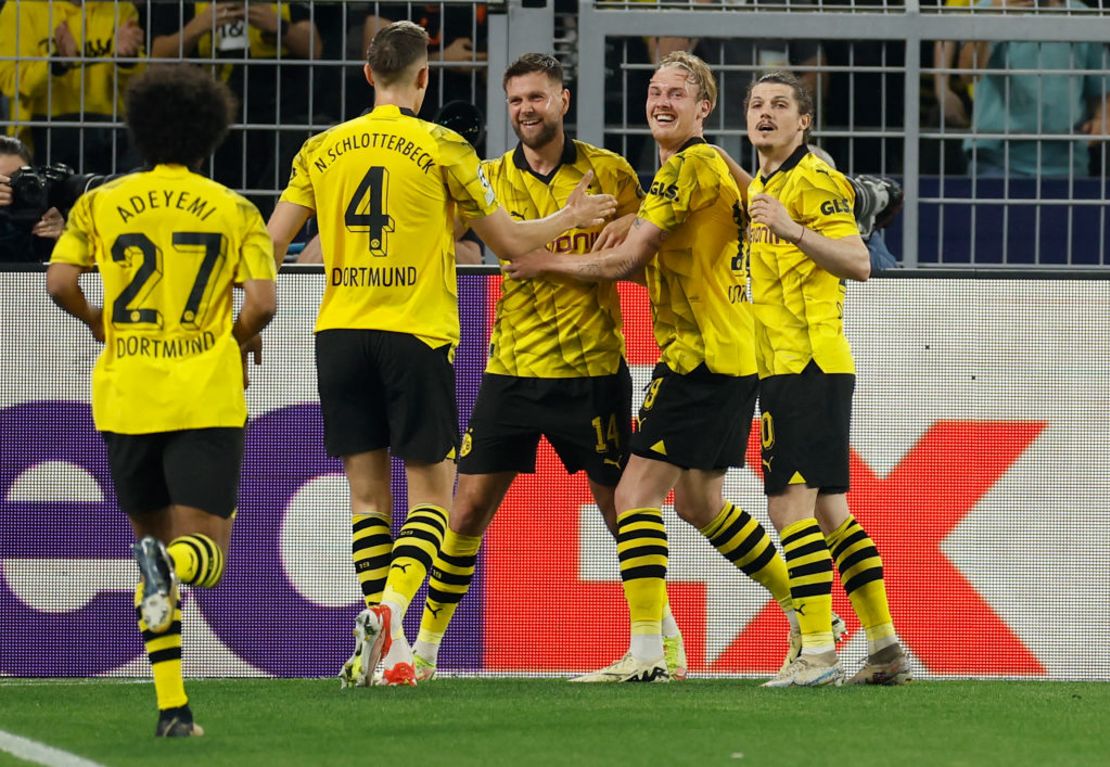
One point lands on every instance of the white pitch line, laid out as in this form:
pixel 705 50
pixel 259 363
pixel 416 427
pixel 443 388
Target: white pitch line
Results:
pixel 40 753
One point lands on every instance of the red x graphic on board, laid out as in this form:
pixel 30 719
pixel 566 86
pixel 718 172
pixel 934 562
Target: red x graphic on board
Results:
pixel 938 614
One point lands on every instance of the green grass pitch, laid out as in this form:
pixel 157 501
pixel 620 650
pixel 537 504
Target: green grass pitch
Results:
pixel 495 721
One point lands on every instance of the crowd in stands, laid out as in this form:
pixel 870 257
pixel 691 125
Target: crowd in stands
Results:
pixel 64 65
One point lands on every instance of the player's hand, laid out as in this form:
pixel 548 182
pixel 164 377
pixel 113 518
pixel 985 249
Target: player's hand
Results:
pixel 96 322
pixel 765 209
pixel 614 233
pixel 129 38
pixel 251 347
pixel 590 209
pixel 50 225
pixel 527 266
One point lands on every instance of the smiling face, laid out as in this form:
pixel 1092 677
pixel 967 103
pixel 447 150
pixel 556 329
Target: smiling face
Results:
pixel 674 111
pixel 536 108
pixel 774 119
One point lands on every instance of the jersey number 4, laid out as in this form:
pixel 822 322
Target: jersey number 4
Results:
pixel 368 215
pixel 127 309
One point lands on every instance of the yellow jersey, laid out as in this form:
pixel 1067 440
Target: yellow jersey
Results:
pixel 559 327
pixel 36 92
pixel 385 187
pixel 799 307
pixel 697 281
pixel 169 245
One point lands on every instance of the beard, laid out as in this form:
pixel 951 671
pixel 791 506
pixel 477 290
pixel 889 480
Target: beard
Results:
pixel 541 139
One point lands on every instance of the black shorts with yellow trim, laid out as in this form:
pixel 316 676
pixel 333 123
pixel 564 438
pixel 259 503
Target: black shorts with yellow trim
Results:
pixel 191 467
pixel 380 389
pixel 697 420
pixel 805 424
pixel 587 420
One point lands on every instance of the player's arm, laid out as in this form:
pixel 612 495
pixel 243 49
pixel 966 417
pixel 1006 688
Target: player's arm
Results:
pixel 846 257
pixel 259 307
pixel 286 220
pixel 510 238
pixel 63 285
pixel 742 178
pixel 625 261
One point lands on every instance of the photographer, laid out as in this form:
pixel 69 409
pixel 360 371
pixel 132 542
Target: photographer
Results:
pixel 23 241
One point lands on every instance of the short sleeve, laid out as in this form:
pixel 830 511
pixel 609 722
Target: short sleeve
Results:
pixel 74 246
pixel 826 205
pixel 256 254
pixel 681 187
pixel 299 189
pixel 466 182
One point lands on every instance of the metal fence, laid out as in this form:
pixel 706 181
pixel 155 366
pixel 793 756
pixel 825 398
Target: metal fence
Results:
pixel 989 141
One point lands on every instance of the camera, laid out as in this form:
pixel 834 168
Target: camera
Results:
pixel 37 189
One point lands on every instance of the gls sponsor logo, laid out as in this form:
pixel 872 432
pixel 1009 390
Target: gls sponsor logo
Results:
pixel 839 205
pixel 668 192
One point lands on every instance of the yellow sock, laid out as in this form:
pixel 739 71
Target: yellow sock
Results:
pixel 861 572
pixel 448 583
pixel 371 551
pixel 810 567
pixel 164 652
pixel 197 560
pixel 417 543
pixel 642 550
pixel 743 541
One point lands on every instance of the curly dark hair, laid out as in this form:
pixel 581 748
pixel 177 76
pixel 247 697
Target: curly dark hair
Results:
pixel 178 114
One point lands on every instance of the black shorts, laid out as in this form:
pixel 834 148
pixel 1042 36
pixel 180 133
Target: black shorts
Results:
pixel 380 389
pixel 700 420
pixel 191 467
pixel 806 419
pixel 587 420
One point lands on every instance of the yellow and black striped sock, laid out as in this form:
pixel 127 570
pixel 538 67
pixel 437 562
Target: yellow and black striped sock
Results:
pixel 810 567
pixel 164 652
pixel 197 560
pixel 372 551
pixel 448 583
pixel 743 541
pixel 416 546
pixel 861 572
pixel 642 550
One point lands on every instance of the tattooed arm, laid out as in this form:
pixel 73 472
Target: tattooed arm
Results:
pixel 624 261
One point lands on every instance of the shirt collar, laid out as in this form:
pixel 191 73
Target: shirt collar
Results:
pixel 788 165
pixel 568 156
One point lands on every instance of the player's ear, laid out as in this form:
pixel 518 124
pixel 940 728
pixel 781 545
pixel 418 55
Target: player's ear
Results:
pixel 369 74
pixel 565 96
pixel 422 76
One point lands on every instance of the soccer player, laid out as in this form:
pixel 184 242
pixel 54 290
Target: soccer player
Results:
pixel 696 416
pixel 803 243
pixel 385 188
pixel 167 389
pixel 556 365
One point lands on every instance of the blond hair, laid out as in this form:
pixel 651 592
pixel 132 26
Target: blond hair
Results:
pixel 697 72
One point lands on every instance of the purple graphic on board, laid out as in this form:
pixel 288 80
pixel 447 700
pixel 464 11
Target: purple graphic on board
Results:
pixel 256 611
